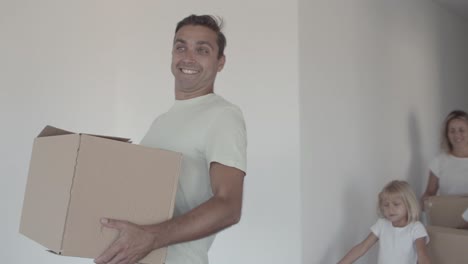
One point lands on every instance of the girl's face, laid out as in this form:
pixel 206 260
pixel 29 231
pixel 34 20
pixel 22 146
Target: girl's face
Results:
pixel 394 210
pixel 457 133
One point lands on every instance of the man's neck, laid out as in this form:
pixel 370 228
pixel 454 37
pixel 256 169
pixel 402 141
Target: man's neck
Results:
pixel 187 95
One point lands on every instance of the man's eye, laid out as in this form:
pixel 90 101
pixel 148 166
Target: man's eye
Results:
pixel 203 51
pixel 179 48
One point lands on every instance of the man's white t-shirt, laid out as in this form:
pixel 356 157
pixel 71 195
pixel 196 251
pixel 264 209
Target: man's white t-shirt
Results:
pixel 452 173
pixel 396 244
pixel 204 129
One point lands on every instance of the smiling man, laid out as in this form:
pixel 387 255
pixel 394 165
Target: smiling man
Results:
pixel 210 133
pixel 196 59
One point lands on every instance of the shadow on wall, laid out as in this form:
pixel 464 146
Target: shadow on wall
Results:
pixel 415 176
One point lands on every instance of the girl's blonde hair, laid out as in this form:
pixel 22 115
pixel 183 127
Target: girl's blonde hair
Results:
pixel 403 189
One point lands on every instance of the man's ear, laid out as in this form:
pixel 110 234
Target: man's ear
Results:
pixel 221 62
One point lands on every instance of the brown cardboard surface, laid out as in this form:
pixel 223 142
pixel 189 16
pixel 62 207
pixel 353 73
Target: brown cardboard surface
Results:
pixel 48 189
pixel 446 210
pixel 75 179
pixel 447 245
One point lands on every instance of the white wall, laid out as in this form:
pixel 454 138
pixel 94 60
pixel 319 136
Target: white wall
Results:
pixel 376 80
pixel 103 67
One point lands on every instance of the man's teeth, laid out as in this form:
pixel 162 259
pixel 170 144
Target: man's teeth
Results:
pixel 186 71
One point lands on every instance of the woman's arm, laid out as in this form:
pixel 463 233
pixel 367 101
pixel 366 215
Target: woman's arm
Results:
pixel 359 250
pixel 431 189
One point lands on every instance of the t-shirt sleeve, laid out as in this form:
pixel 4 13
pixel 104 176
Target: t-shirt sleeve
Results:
pixel 376 229
pixel 465 215
pixel 419 231
pixel 227 140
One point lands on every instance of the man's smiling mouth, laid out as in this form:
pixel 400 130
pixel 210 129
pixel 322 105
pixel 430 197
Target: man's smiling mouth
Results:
pixel 189 71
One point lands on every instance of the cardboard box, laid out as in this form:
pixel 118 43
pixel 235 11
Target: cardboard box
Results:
pixel 448 245
pixel 76 179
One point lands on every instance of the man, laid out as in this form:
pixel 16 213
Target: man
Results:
pixel 210 133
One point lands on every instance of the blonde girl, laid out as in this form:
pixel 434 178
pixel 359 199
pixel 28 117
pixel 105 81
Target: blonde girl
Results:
pixel 401 236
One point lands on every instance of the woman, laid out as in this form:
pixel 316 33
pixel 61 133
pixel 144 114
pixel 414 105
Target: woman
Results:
pixel 449 170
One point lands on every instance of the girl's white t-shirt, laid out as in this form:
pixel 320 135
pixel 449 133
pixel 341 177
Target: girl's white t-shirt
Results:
pixel 396 244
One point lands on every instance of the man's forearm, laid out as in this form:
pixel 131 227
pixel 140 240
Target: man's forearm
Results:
pixel 210 217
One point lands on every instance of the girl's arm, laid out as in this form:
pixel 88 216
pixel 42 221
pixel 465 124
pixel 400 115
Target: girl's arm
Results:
pixel 359 250
pixel 421 250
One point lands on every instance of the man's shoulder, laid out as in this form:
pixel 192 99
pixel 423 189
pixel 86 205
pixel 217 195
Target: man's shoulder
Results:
pixel 225 106
pixel 223 102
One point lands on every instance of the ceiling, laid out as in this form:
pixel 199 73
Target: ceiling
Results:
pixel 457 6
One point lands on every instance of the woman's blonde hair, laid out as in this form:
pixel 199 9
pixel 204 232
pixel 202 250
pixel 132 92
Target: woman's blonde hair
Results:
pixel 403 189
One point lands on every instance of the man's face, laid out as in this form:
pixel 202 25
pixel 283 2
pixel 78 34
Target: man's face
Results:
pixel 195 61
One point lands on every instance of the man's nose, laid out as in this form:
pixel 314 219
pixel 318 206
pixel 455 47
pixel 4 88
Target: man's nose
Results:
pixel 189 55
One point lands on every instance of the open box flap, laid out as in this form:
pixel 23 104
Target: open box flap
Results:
pixel 49 131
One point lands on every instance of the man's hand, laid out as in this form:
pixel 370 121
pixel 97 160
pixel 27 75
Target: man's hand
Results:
pixel 220 211
pixel 132 244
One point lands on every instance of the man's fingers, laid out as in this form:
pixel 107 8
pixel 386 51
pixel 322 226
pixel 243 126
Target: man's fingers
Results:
pixel 130 246
pixel 119 259
pixel 112 223
pixel 108 255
